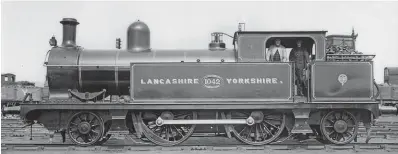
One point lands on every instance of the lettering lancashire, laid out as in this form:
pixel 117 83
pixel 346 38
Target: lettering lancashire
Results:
pixel 170 81
pixel 155 81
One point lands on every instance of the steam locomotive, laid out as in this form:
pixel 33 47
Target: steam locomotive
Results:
pixel 13 93
pixel 389 89
pixel 166 96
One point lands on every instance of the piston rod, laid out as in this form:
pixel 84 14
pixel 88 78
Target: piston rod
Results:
pixel 248 121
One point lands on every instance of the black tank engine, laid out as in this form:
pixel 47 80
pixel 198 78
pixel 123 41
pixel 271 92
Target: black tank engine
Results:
pixel 166 96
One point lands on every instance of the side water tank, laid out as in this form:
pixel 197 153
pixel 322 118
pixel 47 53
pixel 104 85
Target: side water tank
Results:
pixel 138 37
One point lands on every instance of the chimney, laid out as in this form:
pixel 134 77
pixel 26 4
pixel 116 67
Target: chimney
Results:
pixel 69 32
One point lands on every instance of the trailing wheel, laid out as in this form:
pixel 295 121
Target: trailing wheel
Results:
pixel 339 127
pixel 166 135
pixel 85 128
pixel 267 126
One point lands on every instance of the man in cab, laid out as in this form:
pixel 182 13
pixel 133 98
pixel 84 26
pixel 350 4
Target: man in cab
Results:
pixel 299 55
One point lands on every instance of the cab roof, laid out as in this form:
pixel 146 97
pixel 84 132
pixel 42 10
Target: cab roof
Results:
pixel 282 32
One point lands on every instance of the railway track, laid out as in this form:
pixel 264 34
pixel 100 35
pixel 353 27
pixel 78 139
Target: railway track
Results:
pixel 384 135
pixel 357 147
pixel 216 145
pixel 15 128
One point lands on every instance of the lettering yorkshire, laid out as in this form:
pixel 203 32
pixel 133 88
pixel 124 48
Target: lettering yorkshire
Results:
pixel 213 80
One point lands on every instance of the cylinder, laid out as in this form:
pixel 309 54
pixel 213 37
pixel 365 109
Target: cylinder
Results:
pixel 138 37
pixel 69 32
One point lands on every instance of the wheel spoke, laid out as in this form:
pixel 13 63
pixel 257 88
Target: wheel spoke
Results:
pixel 153 127
pixel 167 133
pixel 86 138
pixel 275 119
pixel 91 120
pixel 266 129
pixel 177 130
pixel 182 131
pixel 242 130
pixel 73 130
pixel 341 115
pixel 94 131
pixel 174 136
pixel 160 130
pixel 349 133
pixel 250 132
pixel 90 136
pixel 336 116
pixel 85 117
pixel 245 113
pixel 330 134
pixel 338 138
pixel 344 116
pixel 264 135
pixel 79 118
pixel 94 126
pixel 342 135
pixel 331 121
pixel 271 124
pixel 182 115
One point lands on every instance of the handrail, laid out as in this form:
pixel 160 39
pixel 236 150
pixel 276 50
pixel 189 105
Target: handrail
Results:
pixel 46 58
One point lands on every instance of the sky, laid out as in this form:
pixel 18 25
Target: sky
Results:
pixel 26 27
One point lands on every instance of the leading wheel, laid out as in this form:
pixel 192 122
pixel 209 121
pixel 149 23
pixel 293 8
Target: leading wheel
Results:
pixel 85 128
pixel 267 126
pixel 339 127
pixel 167 135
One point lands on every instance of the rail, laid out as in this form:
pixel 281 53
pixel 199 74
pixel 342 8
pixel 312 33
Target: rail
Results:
pixel 391 147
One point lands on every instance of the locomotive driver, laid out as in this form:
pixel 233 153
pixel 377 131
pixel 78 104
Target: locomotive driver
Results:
pixel 300 57
pixel 276 53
